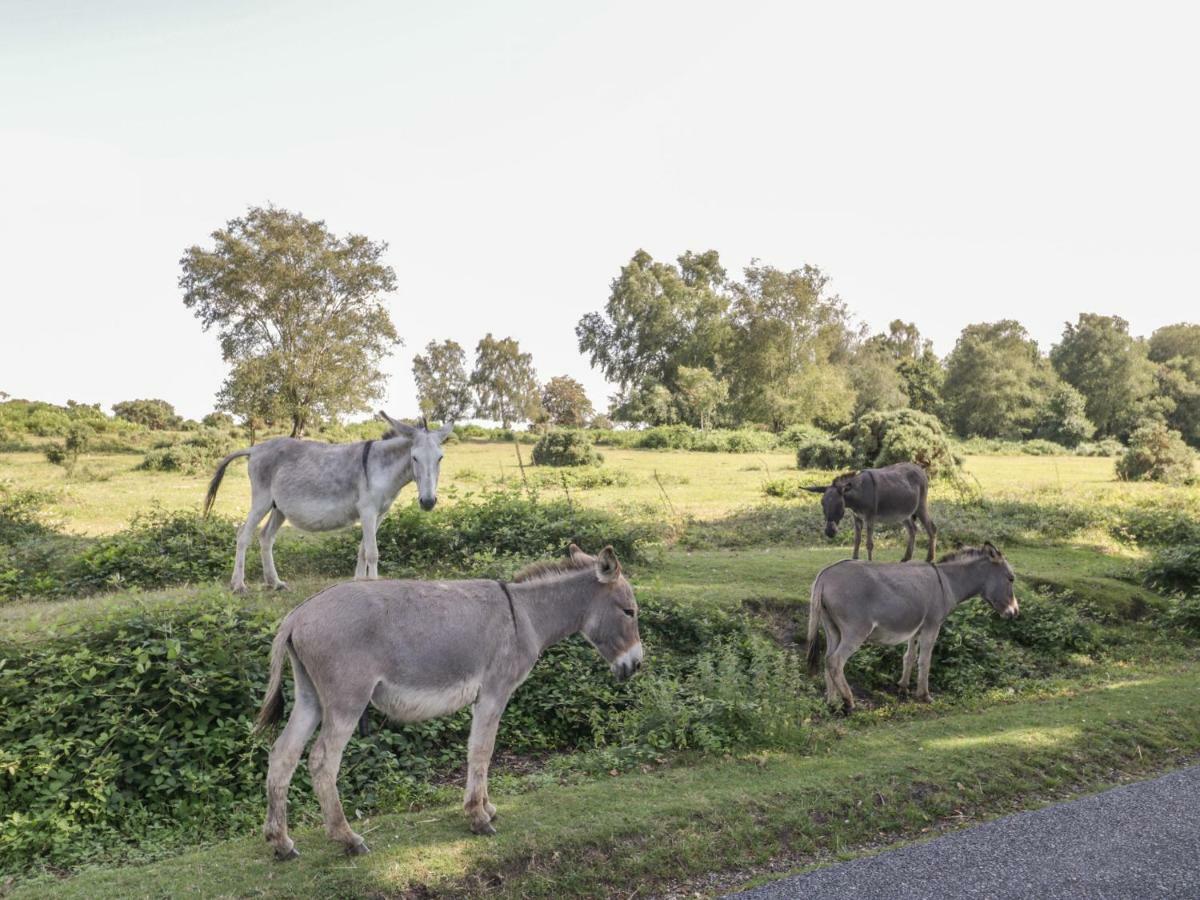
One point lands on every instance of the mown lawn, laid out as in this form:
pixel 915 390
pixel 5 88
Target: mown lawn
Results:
pixel 857 783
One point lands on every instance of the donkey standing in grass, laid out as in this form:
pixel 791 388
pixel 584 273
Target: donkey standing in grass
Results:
pixel 896 493
pixel 422 649
pixel 892 603
pixel 320 487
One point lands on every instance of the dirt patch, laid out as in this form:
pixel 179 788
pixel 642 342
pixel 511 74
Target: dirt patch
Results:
pixel 785 621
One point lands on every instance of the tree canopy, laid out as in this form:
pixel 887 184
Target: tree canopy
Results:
pixel 566 402
pixel 504 381
pixel 443 386
pixel 298 311
pixel 1098 357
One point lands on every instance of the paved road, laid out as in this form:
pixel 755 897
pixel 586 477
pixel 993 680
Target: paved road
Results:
pixel 1140 840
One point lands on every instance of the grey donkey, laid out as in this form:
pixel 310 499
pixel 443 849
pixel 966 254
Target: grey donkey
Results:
pixel 891 603
pixel 320 487
pixel 421 649
pixel 895 493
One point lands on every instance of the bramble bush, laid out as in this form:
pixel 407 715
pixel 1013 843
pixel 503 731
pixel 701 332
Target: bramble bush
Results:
pixel 903 435
pixel 1156 453
pixel 824 453
pixel 197 453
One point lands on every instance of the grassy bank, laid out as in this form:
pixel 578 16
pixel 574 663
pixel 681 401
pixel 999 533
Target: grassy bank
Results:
pixel 605 837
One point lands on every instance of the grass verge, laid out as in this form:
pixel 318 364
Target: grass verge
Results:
pixel 608 836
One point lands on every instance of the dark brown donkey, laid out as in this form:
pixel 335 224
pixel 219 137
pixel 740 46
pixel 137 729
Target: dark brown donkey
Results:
pixel 896 493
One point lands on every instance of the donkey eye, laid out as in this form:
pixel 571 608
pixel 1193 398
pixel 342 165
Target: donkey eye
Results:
pixel 628 612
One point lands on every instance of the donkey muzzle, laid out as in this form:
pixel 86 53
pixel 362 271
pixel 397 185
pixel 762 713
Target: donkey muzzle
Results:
pixel 429 504
pixel 625 665
pixel 831 530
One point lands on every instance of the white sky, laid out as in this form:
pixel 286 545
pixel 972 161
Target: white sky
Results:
pixel 945 163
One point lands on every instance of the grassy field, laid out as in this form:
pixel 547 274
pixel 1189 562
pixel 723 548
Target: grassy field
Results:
pixel 701 485
pixel 895 771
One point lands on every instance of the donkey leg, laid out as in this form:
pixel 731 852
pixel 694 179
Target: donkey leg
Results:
pixel 285 756
pixel 485 719
pixel 833 637
pixel 927 640
pixel 360 570
pixel 870 539
pixel 259 507
pixel 912 539
pixel 836 662
pixel 266 546
pixel 324 760
pixel 910 656
pixel 369 550
pixel 930 531
pixel 857 536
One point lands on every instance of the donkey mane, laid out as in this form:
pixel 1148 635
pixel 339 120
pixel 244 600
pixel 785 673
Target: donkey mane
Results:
pixel 548 568
pixel 964 553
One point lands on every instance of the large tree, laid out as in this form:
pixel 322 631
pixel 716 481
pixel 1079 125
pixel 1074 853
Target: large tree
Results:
pixel 504 381
pixel 658 318
pixel 921 372
pixel 786 328
pixel 443 386
pixel 566 402
pixel 1099 358
pixel 875 376
pixel 996 381
pixel 155 414
pixel 302 303
pixel 1175 350
pixel 699 394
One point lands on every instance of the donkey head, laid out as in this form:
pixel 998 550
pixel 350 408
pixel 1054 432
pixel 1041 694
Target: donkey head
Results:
pixel 833 501
pixel 998 583
pixel 425 450
pixel 611 623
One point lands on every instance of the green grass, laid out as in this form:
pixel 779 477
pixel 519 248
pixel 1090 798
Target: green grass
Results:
pixel 604 837
pixel 702 485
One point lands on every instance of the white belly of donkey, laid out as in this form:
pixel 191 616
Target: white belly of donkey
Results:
pixel 406 704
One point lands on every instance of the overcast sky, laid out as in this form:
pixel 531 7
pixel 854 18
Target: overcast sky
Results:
pixel 944 163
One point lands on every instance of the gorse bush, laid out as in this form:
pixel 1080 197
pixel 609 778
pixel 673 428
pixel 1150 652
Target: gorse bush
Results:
pixel 903 435
pixel 1156 453
pixel 565 448
pixel 824 453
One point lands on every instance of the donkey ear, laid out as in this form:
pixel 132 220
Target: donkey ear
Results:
pixel 608 567
pixel 815 489
pixel 444 432
pixel 993 551
pixel 400 428
pixel 574 551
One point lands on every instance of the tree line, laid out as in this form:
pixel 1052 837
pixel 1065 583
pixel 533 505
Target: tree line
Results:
pixel 303 327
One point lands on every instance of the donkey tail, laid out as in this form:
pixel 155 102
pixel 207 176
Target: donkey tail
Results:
pixel 272 706
pixel 211 497
pixel 814 625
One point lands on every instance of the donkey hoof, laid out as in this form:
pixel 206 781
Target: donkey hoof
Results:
pixel 484 828
pixel 291 854
pixel 491 812
pixel 359 849
pixel 278 586
pixel 238 588
pixel 924 698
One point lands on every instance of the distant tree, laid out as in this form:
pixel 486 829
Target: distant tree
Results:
pixel 1175 349
pixel 504 381
pixel 784 325
pixel 921 372
pixel 566 402
pixel 1064 419
pixel 875 375
pixel 699 395
pixel 1098 357
pixel 301 302
pixel 158 415
pixel 996 381
pixel 658 317
pixel 252 393
pixel 443 386
pixel 75 443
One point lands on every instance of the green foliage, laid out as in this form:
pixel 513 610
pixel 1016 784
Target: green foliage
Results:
pixel 504 381
pixel 443 387
pixel 198 453
pixel 1099 358
pixel 1064 418
pixel 903 435
pixel 66 454
pixel 219 421
pixel 1184 613
pixel 299 314
pixel 565 448
pixel 1105 447
pixel 1175 568
pixel 157 415
pixel 824 453
pixel 996 381
pixel 566 402
pixel 699 394
pixel 1156 453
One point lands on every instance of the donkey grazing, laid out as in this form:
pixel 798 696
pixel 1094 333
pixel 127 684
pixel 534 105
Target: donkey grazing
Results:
pixel 896 493
pixel 320 487
pixel 422 649
pixel 892 603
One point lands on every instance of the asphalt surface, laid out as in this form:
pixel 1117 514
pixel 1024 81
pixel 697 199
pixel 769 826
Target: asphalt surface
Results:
pixel 1137 841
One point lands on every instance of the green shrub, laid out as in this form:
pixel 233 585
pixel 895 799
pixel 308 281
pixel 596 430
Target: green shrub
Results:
pixel 1156 453
pixel 196 454
pixel 1184 613
pixel 903 435
pixel 1105 447
pixel 665 437
pixel 565 448
pixel 824 453
pixel 157 415
pixel 1175 568
pixel 1040 447
pixel 795 435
